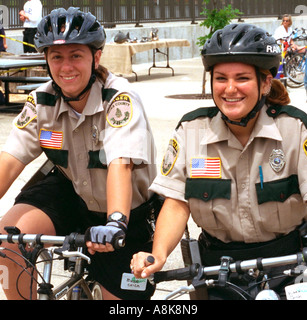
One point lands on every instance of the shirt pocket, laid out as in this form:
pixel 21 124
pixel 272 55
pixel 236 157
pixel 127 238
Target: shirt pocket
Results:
pixel 280 204
pixel 209 202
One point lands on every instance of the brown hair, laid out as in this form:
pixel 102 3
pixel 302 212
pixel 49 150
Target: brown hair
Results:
pixel 101 73
pixel 278 93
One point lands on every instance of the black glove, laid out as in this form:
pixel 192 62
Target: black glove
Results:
pixel 112 232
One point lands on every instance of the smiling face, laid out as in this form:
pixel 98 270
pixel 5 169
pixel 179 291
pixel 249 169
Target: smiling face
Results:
pixel 235 89
pixel 71 67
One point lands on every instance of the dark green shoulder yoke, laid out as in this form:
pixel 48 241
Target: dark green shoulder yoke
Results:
pixel 46 98
pixel 200 112
pixel 108 93
pixel 276 110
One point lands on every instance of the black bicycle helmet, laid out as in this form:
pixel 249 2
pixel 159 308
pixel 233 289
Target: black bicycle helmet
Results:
pixel 70 26
pixel 244 43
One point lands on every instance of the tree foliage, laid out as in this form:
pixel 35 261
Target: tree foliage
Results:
pixel 216 19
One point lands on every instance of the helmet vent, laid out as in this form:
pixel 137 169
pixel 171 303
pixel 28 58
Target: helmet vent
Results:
pixel 219 39
pixel 238 38
pixel 258 37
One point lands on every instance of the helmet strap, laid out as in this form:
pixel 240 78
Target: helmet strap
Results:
pixel 243 122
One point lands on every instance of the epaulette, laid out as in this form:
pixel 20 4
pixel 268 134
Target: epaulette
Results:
pixel 201 112
pixel 275 110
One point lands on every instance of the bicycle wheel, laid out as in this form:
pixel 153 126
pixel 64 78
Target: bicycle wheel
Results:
pixel 295 68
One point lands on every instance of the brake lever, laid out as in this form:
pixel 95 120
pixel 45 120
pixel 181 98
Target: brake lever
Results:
pixel 69 254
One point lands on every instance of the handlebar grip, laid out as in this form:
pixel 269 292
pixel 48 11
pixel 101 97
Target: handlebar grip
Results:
pixel 176 274
pixel 79 241
pixel 118 243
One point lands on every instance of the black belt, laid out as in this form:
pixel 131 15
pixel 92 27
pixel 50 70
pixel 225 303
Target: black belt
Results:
pixel 213 249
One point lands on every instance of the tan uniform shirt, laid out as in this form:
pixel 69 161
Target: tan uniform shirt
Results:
pixel 113 124
pixel 221 180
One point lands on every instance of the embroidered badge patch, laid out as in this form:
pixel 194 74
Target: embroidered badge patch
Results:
pixel 305 147
pixel 27 114
pixel 205 168
pixel 170 157
pixel 120 111
pixel 51 139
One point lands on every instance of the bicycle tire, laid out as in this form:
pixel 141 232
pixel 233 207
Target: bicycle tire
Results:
pixel 293 85
pixel 295 68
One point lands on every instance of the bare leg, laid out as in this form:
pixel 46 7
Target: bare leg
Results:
pixel 29 220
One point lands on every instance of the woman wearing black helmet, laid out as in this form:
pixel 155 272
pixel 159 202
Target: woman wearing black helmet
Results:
pixel 93 127
pixel 239 168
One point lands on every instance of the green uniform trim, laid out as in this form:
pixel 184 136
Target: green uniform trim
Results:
pixel 207 189
pixel 201 112
pixel 276 110
pixel 94 160
pixel 107 94
pixel 58 157
pixel 46 98
pixel 278 190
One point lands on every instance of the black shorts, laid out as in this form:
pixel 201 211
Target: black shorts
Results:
pixel 56 196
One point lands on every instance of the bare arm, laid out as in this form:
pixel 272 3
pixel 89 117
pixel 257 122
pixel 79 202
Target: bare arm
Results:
pixel 119 186
pixel 170 227
pixel 10 168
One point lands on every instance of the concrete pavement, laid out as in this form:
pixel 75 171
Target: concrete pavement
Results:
pixel 163 113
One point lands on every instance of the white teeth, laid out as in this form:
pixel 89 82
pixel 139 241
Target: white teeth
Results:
pixel 233 100
pixel 68 78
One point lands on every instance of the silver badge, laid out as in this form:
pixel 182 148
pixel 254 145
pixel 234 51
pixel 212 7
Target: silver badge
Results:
pixel 277 160
pixel 95 134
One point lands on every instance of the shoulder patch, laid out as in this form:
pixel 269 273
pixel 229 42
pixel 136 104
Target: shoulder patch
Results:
pixel 305 147
pixel 120 111
pixel 275 111
pixel 27 114
pixel 170 157
pixel 200 112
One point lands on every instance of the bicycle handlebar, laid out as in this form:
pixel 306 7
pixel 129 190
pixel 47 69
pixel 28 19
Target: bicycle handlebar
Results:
pixel 74 239
pixel 189 273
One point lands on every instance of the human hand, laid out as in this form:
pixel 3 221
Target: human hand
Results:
pixel 143 264
pixel 105 238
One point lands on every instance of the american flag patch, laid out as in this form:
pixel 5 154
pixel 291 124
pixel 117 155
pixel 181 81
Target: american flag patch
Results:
pixel 206 168
pixel 51 139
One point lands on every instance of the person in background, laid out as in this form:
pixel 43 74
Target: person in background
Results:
pixel 284 31
pixel 3 45
pixel 31 15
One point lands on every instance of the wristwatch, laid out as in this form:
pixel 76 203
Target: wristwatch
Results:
pixel 117 216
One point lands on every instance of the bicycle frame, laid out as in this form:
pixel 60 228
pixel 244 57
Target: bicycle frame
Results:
pixel 72 286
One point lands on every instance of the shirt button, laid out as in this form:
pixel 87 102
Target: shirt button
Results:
pixel 243 185
pixel 85 183
pixel 206 195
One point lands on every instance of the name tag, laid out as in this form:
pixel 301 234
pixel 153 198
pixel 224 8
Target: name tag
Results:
pixel 297 291
pixel 130 282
